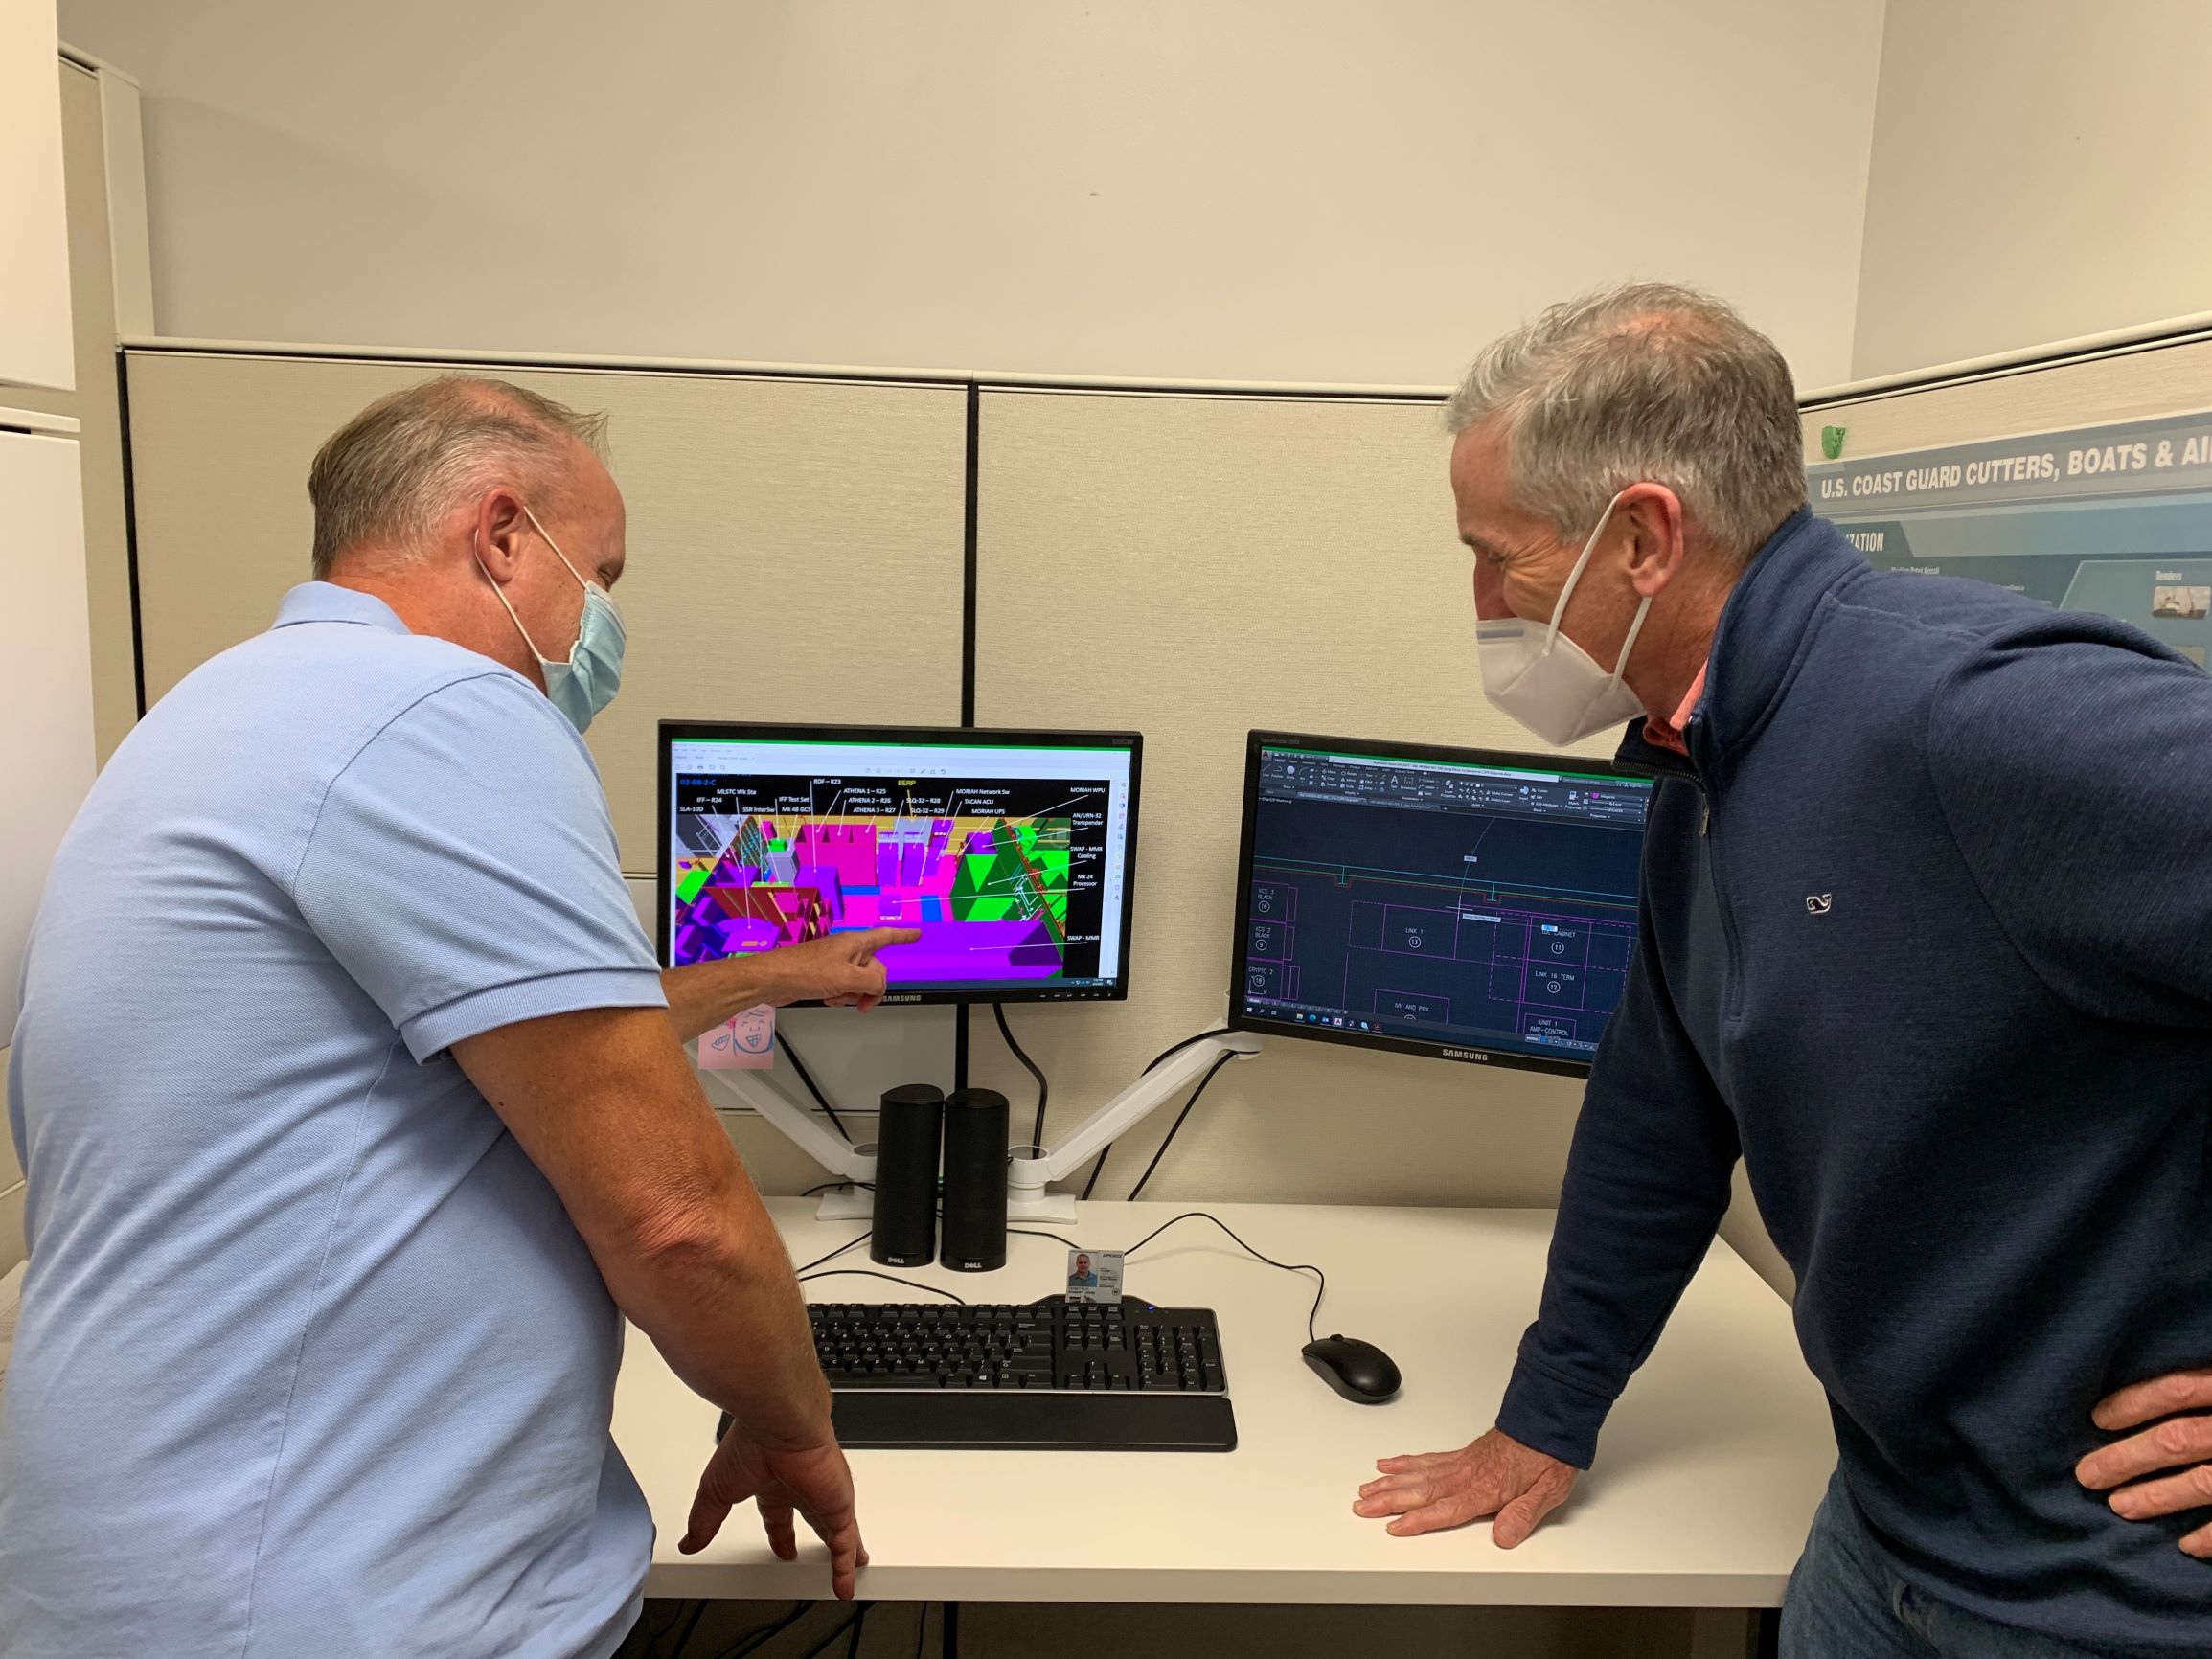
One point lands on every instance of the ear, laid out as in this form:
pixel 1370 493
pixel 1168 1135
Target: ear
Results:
pixel 1654 515
pixel 497 531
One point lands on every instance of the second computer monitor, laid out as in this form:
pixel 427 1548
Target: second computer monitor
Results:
pixel 1012 851
pixel 1456 902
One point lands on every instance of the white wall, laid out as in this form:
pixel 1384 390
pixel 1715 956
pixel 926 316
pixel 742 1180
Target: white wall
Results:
pixel 2038 175
pixel 1361 191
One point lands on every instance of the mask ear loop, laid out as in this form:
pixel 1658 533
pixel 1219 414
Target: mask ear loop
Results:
pixel 1620 667
pixel 1574 576
pixel 498 594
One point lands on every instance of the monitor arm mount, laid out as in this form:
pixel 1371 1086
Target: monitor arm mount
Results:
pixel 1028 1171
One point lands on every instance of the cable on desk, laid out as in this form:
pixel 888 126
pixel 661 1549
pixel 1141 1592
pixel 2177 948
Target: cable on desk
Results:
pixel 747 1641
pixel 887 1278
pixel 813 1088
pixel 1043 1088
pixel 848 1245
pixel 860 1622
pixel 921 1629
pixel 1321 1285
pixel 1321 1288
pixel 1170 1138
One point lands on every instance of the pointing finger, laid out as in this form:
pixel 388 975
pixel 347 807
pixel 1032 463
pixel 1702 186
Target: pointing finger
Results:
pixel 879 937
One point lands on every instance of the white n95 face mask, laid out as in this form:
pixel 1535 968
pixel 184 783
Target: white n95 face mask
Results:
pixel 1547 682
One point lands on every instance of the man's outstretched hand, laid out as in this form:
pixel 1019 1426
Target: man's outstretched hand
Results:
pixel 1496 1476
pixel 838 969
pixel 813 1484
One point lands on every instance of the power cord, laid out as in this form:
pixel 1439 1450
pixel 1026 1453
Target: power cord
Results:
pixel 848 1245
pixel 1105 1151
pixel 813 1088
pixel 1043 1088
pixel 1168 1140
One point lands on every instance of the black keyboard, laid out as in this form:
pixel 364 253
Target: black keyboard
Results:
pixel 1049 1375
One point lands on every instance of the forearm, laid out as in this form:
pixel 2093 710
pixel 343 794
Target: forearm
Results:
pixel 1638 1213
pixel 704 995
pixel 1647 1181
pixel 607 1107
pixel 716 1296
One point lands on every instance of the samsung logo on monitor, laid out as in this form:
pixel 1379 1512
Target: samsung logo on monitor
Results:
pixel 1476 1054
pixel 908 997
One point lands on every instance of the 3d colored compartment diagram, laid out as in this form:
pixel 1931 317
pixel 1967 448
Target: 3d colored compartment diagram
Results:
pixel 989 895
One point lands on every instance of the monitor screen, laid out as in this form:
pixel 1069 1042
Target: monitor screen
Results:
pixel 1452 902
pixel 1011 851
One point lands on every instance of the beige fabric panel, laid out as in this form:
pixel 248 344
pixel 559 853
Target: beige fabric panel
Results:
pixel 1194 567
pixel 2133 385
pixel 796 547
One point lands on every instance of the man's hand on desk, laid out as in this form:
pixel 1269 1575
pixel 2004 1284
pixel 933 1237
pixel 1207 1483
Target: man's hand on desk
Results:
pixel 2182 1444
pixel 1496 1476
pixel 814 1482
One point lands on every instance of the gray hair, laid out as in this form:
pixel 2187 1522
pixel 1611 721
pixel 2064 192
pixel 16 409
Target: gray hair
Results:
pixel 389 472
pixel 1644 383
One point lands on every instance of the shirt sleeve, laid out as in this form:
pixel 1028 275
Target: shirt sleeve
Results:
pixel 2075 770
pixel 462 869
pixel 1647 1182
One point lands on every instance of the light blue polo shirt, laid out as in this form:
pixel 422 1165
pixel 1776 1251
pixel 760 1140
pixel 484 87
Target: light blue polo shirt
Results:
pixel 311 1360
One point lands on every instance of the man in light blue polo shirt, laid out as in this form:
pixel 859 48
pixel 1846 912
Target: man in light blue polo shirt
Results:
pixel 354 1117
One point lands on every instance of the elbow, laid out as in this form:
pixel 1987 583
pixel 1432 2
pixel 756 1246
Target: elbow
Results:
pixel 691 1240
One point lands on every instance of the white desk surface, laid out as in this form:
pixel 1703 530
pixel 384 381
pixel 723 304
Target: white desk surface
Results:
pixel 1706 1479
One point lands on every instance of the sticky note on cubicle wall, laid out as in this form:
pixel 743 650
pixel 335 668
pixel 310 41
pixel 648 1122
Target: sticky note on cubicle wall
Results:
pixel 745 1043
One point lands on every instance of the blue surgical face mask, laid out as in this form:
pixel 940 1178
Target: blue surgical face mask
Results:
pixel 586 682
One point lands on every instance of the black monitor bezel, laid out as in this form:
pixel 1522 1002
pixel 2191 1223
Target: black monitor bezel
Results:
pixel 674 732
pixel 1464 1054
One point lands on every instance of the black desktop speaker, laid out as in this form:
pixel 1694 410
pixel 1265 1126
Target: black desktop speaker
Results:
pixel 907 1135
pixel 975 1127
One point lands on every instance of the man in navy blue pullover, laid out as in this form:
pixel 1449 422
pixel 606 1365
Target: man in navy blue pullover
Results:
pixel 1927 941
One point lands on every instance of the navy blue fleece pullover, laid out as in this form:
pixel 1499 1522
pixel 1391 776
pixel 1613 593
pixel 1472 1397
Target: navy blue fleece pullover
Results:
pixel 1927 938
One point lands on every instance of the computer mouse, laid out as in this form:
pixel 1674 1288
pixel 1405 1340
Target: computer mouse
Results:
pixel 1359 1370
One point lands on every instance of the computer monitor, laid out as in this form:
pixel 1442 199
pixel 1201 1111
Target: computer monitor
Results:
pixel 1460 904
pixel 1013 852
